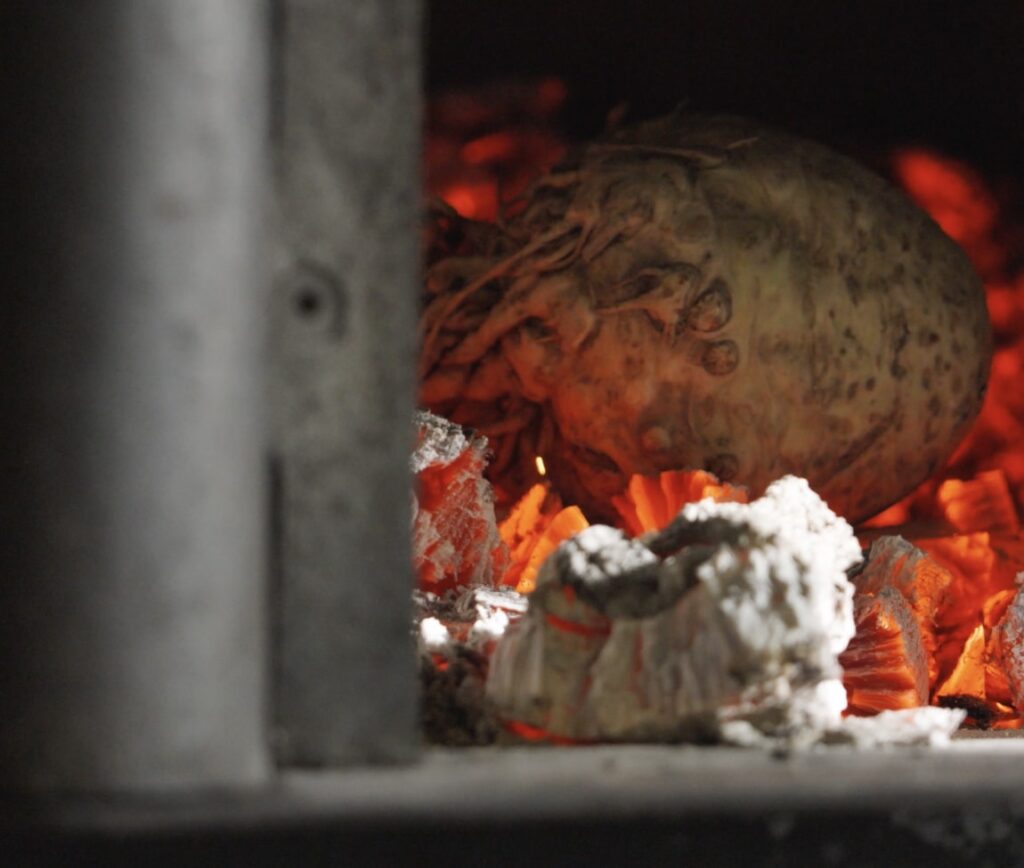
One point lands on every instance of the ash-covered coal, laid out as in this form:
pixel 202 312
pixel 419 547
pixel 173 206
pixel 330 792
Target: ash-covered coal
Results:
pixel 725 625
pixel 455 538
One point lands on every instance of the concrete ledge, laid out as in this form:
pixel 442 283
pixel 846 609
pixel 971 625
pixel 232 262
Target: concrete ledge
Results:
pixel 603 805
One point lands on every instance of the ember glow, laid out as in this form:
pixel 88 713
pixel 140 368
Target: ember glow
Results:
pixel 484 148
pixel 933 615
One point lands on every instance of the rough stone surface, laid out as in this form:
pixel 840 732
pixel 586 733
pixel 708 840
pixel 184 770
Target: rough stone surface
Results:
pixel 664 805
pixel 346 132
pixel 132 652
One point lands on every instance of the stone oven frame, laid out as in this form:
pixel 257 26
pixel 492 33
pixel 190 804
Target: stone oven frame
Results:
pixel 203 599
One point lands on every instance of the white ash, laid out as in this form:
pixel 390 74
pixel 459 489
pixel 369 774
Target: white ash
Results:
pixel 441 442
pixel 730 617
pixel 485 601
pixel 489 628
pixel 925 726
pixel 791 517
pixel 476 615
pixel 434 637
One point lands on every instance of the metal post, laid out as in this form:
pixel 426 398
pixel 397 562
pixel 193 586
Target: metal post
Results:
pixel 347 151
pixel 131 594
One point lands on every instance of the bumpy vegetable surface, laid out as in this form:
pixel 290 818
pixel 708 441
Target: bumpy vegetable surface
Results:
pixel 708 293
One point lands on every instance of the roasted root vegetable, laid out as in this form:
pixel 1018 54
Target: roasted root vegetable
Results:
pixel 708 293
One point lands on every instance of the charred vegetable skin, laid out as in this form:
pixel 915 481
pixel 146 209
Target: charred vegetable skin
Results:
pixel 709 293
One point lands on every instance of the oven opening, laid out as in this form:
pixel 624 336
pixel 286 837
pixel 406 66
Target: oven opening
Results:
pixel 436 424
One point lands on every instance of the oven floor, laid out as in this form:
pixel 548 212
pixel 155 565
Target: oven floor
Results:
pixel 587 806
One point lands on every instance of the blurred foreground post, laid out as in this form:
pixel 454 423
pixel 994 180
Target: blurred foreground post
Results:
pixel 132 639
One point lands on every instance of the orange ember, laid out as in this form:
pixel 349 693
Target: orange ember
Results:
pixel 885 666
pixel 525 732
pixel 982 503
pixel 651 502
pixel 485 148
pixel 968 676
pixel 533 530
pixel 538 522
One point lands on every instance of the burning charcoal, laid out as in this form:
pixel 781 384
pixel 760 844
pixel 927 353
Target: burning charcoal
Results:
pixel 1009 642
pixel 730 618
pixel 977 571
pixel 983 503
pixel 533 529
pixel 454 534
pixel 885 666
pixel 892 562
pixel 649 503
pixel 968 676
pixel 997 685
pixel 486 143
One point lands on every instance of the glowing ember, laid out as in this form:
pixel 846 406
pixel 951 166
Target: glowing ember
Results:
pixel 538 522
pixel 885 666
pixel 894 566
pixel 484 148
pixel 982 503
pixel 534 528
pixel 968 676
pixel 651 502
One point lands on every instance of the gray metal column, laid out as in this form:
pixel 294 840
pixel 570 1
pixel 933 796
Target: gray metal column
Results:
pixel 131 579
pixel 347 151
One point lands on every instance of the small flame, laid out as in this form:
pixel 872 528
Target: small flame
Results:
pixel 541 469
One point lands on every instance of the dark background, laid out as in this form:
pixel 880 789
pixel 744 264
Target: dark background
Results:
pixel 860 76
